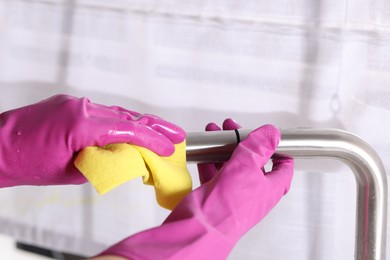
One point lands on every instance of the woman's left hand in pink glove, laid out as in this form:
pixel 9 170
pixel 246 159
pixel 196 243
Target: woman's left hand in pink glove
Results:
pixel 38 142
pixel 233 198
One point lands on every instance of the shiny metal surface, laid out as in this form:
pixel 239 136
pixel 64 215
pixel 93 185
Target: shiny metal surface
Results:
pixel 371 213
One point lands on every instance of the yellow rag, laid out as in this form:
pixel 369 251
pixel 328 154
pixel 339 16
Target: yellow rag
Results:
pixel 109 166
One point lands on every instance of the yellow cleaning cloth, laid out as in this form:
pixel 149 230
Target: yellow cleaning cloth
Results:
pixel 109 166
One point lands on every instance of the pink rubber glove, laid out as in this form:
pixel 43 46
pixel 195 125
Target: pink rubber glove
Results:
pixel 38 142
pixel 209 221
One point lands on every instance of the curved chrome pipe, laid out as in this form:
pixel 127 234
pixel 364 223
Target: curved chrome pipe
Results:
pixel 371 213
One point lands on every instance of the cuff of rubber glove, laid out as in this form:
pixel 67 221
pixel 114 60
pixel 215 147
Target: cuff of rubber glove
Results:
pixel 4 180
pixel 175 240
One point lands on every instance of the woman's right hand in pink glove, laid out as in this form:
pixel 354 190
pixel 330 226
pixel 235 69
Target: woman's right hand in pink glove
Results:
pixel 38 142
pixel 210 220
